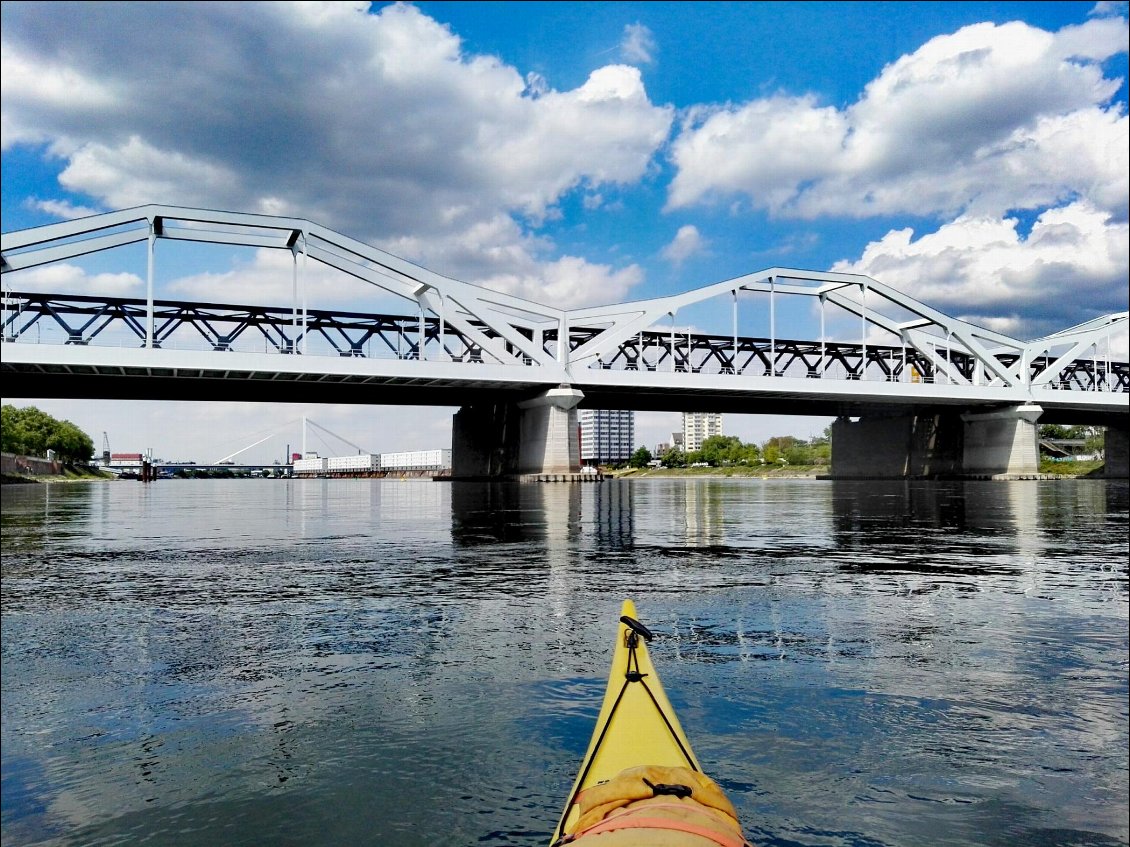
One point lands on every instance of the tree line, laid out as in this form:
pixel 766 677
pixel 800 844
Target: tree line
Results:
pixel 730 451
pixel 31 432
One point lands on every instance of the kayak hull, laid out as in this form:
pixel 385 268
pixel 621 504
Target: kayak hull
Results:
pixel 640 781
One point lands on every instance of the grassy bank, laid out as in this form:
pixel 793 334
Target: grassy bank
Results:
pixel 1071 470
pixel 760 472
pixel 69 474
pixel 1065 470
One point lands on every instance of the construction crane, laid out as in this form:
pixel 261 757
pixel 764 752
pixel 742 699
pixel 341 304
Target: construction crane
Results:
pixel 105 448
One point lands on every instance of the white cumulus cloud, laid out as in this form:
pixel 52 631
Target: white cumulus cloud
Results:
pixel 50 279
pixel 61 208
pixel 984 270
pixel 984 120
pixel 688 241
pixel 378 125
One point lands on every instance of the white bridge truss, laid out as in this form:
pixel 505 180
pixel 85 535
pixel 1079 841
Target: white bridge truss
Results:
pixel 457 336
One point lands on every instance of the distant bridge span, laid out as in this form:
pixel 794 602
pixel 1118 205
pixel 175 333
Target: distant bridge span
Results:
pixel 462 345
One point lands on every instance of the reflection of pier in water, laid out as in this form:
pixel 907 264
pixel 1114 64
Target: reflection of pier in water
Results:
pixel 690 512
pixel 894 527
pixel 597 514
pixel 904 513
pixel 702 512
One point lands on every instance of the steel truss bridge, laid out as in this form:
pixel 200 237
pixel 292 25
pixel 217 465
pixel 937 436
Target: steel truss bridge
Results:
pixel 460 344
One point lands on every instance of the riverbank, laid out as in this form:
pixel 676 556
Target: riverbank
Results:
pixel 8 479
pixel 66 473
pixel 1048 469
pixel 789 472
pixel 1059 470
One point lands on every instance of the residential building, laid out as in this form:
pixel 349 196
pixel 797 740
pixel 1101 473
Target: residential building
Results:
pixel 607 435
pixel 698 426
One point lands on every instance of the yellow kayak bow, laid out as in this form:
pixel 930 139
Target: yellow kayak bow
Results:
pixel 640 782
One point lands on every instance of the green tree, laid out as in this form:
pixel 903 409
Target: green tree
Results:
pixel 70 443
pixel 781 442
pixel 31 432
pixel 9 439
pixel 721 450
pixel 1054 431
pixel 798 453
pixel 1094 441
pixel 821 452
pixel 674 458
pixel 640 458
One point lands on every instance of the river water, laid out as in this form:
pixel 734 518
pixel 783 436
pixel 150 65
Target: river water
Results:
pixel 363 662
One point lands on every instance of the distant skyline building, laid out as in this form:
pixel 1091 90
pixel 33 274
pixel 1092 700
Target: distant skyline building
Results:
pixel 698 426
pixel 607 435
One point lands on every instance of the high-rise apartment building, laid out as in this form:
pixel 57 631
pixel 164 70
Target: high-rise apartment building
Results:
pixel 607 436
pixel 698 426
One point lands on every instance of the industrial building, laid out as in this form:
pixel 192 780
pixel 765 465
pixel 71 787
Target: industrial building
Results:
pixel 410 463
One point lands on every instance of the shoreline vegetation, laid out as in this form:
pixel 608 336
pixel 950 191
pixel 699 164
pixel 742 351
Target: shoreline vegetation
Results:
pixel 1048 468
pixel 76 473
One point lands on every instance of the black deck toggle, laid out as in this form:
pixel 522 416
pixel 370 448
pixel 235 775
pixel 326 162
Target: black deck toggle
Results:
pixel 676 790
pixel 637 627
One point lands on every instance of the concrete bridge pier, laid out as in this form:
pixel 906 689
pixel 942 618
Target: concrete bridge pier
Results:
pixel 1001 443
pixel 1117 450
pixel 549 442
pixel 499 440
pixel 896 446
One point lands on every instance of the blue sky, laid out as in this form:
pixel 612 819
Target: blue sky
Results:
pixel 972 154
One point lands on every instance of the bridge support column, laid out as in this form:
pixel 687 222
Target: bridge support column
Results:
pixel 1117 453
pixel 499 440
pixel 484 441
pixel 896 447
pixel 1002 443
pixel 549 442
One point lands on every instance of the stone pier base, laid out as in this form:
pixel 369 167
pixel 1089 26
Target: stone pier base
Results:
pixel 897 447
pixel 1004 443
pixel 508 440
pixel 1117 462
pixel 998 444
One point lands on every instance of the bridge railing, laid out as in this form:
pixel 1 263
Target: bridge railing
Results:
pixel 120 322
pixel 764 357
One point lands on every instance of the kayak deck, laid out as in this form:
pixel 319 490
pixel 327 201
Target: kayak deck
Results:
pixel 637 730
